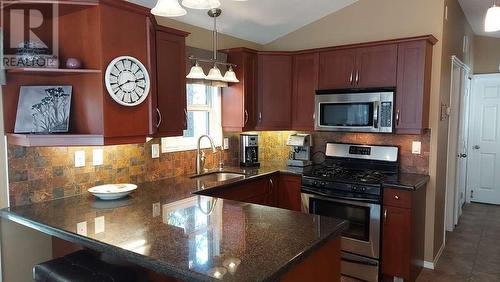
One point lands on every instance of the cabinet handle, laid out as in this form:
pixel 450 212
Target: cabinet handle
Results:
pixel 271 185
pixel 350 77
pixel 357 77
pixel 159 118
pixel 397 117
pixel 260 116
pixel 246 117
pixel 385 216
pixel 396 197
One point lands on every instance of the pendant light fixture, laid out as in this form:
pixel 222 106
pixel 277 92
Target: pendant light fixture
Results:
pixel 214 73
pixel 201 4
pixel 492 20
pixel 168 8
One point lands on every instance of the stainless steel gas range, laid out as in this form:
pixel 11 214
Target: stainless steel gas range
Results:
pixel 348 186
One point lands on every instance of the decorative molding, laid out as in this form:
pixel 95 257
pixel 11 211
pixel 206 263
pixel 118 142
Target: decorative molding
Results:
pixel 432 265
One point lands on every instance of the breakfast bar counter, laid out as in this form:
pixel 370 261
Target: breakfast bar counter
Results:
pixel 166 228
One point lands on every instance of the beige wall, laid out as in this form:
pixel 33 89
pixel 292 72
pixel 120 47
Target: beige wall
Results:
pixel 369 20
pixel 486 55
pixel 202 38
pixel 454 29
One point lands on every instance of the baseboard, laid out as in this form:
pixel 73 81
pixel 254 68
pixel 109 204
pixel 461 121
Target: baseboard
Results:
pixel 432 264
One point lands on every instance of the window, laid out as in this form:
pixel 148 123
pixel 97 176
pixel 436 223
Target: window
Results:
pixel 203 117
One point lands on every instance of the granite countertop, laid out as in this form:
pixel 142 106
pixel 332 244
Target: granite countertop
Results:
pixel 411 181
pixel 164 227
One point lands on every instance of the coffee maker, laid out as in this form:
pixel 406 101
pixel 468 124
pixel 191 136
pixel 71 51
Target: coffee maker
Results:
pixel 249 150
pixel 300 151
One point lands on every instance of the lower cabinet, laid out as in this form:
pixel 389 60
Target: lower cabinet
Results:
pixel 277 190
pixel 403 233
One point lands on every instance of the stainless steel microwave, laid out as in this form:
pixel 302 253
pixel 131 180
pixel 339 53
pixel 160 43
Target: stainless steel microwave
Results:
pixel 354 112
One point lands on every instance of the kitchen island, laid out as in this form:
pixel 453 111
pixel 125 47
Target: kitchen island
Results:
pixel 164 227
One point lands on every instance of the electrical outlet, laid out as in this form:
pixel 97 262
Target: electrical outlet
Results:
pixel 164 145
pixel 81 228
pixel 156 209
pixel 416 147
pixel 99 224
pixel 97 157
pixel 155 151
pixel 79 158
pixel 226 143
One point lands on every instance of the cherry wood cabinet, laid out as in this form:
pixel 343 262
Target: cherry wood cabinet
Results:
pixel 274 91
pixel 170 113
pixel 305 84
pixel 413 86
pixel 289 196
pixel 403 232
pixel 364 67
pixel 239 100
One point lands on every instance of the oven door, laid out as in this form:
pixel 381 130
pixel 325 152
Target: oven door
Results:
pixel 363 235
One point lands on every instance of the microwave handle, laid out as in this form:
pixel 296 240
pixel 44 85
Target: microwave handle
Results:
pixel 376 107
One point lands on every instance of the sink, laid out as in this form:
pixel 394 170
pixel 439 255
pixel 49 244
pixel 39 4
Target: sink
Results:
pixel 218 176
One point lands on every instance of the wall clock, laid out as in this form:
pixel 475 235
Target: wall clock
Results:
pixel 127 81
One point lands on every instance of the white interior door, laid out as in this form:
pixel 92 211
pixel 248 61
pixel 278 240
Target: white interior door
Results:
pixel 484 145
pixel 463 137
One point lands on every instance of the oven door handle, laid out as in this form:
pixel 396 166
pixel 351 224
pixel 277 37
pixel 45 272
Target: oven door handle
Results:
pixel 347 200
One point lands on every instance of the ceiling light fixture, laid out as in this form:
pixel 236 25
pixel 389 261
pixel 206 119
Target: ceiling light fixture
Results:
pixel 168 8
pixel 201 4
pixel 214 73
pixel 492 20
pixel 172 8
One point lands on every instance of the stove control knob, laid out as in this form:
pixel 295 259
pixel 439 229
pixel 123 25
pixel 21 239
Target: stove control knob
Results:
pixel 315 183
pixel 363 189
pixel 354 188
pixel 323 184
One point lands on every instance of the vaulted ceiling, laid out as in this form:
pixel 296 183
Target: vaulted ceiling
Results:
pixel 261 21
pixel 475 11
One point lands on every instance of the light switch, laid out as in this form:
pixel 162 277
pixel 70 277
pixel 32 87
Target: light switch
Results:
pixel 156 209
pixel 81 228
pixel 226 143
pixel 416 147
pixel 155 151
pixel 79 158
pixel 99 225
pixel 97 157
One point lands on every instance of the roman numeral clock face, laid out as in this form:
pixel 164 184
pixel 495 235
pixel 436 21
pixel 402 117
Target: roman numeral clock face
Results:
pixel 127 81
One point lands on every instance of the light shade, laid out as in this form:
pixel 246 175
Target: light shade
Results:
pixel 168 8
pixel 230 76
pixel 215 74
pixel 492 20
pixel 196 72
pixel 201 4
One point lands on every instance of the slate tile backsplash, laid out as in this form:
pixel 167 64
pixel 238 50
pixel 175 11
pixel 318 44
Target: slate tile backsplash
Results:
pixel 38 174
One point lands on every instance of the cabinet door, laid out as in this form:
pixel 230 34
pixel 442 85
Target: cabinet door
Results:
pixel 171 83
pixel 289 196
pixel 413 87
pixel 396 242
pixel 376 66
pixel 336 69
pixel 275 92
pixel 239 99
pixel 305 84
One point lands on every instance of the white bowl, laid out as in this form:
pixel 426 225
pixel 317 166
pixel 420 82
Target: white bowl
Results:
pixel 112 191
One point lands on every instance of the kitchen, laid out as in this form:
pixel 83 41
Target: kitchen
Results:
pixel 278 99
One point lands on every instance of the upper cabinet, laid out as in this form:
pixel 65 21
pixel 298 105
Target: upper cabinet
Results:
pixel 305 84
pixel 274 92
pixel 413 86
pixel 169 115
pixel 239 100
pixel 363 67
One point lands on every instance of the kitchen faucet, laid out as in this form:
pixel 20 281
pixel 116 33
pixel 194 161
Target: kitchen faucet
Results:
pixel 200 155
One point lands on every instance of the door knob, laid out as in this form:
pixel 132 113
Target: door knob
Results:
pixel 476 147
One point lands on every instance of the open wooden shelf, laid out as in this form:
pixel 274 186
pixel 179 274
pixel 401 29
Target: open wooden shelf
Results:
pixel 54 140
pixel 49 71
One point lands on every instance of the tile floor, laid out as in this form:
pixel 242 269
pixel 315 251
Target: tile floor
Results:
pixel 472 252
